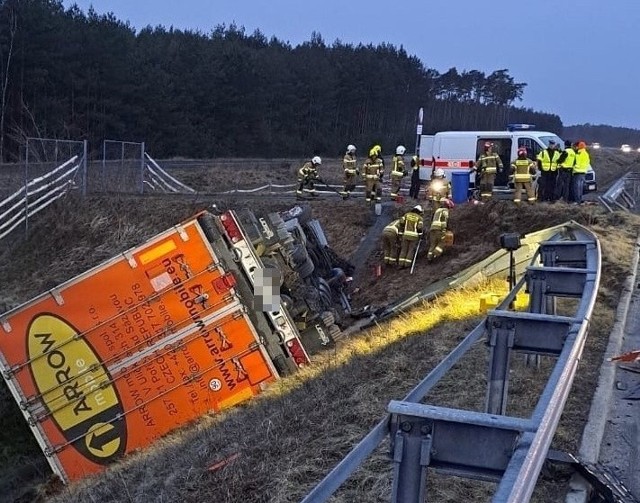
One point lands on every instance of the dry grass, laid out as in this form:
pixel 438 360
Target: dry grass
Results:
pixel 291 436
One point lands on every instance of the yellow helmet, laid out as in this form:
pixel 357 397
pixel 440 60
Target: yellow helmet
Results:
pixel 373 152
pixel 378 149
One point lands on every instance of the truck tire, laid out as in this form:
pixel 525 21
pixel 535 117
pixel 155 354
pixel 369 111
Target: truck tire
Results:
pixel 306 269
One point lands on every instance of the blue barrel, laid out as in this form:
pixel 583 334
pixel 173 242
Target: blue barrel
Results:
pixel 460 186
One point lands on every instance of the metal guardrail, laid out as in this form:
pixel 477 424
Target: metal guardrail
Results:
pixel 623 194
pixel 491 445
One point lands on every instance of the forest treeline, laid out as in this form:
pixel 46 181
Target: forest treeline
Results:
pixel 67 74
pixel 608 136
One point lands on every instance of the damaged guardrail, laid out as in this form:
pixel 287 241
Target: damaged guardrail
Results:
pixel 623 194
pixel 454 441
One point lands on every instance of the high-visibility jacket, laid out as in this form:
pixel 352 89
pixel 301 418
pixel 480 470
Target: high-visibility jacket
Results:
pixel 411 225
pixel 548 162
pixel 489 163
pixel 372 168
pixel 349 164
pixel 397 170
pixel 440 220
pixel 570 160
pixel 583 161
pixel 415 163
pixel 393 228
pixel 521 170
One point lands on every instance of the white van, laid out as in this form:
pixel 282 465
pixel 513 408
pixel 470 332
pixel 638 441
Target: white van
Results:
pixel 456 151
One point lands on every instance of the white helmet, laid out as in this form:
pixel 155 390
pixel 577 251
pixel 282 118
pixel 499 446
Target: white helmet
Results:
pixel 439 173
pixel 351 149
pixel 417 207
pixel 400 150
pixel 316 160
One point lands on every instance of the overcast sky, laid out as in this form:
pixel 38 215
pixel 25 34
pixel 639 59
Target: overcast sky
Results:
pixel 579 58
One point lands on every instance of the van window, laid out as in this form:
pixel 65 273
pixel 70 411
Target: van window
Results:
pixel 532 146
pixel 502 147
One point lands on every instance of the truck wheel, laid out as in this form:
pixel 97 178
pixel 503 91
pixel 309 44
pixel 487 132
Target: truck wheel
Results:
pixel 305 269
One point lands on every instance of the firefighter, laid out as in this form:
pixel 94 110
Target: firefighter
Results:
pixel 307 174
pixel 350 171
pixel 373 171
pixel 391 236
pixel 378 150
pixel 548 165
pixel 439 189
pixel 438 229
pixel 566 162
pixel 522 169
pixel 411 227
pixel 414 191
pixel 487 167
pixel 398 172
pixel 583 162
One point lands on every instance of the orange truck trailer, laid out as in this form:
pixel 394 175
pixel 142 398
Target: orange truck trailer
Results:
pixel 150 340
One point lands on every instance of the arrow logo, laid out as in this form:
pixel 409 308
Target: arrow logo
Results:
pixel 102 440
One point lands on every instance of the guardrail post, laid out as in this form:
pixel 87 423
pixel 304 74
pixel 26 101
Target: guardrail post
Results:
pixel 85 165
pixel 411 455
pixel 501 336
pixel 142 168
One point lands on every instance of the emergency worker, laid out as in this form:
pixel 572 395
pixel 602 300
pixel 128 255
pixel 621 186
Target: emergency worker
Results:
pixel 391 236
pixel 350 171
pixel 414 190
pixel 523 168
pixel 398 172
pixel 566 162
pixel 548 165
pixel 487 167
pixel 378 150
pixel 438 230
pixel 372 171
pixel 583 161
pixel 411 226
pixel 439 189
pixel 307 174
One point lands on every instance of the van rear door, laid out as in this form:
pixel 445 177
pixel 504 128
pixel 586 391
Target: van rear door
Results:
pixel 502 146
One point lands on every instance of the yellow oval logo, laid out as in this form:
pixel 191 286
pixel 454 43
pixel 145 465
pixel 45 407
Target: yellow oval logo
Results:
pixel 76 389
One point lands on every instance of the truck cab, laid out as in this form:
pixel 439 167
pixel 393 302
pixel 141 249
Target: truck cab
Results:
pixel 457 151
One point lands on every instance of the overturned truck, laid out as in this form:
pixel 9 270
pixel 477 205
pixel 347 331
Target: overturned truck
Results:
pixel 197 319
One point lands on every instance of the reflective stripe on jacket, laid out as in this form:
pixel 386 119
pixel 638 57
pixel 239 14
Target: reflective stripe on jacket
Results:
pixel 398 166
pixel 440 220
pixel 489 163
pixel 412 225
pixel 349 164
pixel 549 163
pixel 521 169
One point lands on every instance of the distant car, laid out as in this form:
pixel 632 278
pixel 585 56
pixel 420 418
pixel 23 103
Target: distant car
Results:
pixel 625 148
pixel 595 145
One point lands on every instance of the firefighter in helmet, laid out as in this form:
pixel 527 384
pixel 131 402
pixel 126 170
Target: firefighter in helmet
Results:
pixel 398 172
pixel 487 167
pixel 350 171
pixel 522 169
pixel 307 174
pixel 411 225
pixel 391 236
pixel 439 189
pixel 438 229
pixel 373 171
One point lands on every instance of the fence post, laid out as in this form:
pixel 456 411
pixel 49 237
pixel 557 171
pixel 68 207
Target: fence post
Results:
pixel 142 168
pixel 104 162
pixel 26 187
pixel 84 168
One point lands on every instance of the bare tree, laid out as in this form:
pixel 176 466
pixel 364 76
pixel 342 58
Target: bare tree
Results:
pixel 13 25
